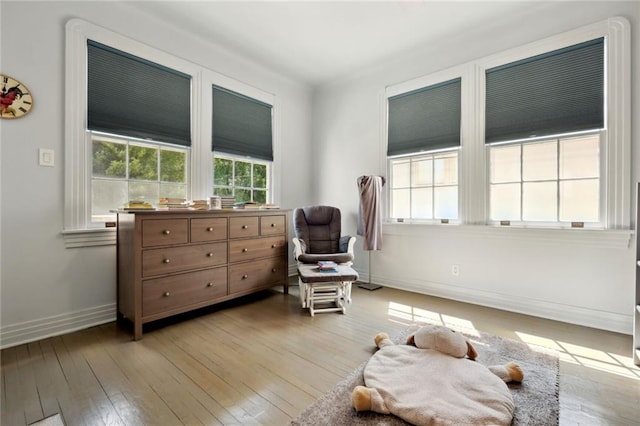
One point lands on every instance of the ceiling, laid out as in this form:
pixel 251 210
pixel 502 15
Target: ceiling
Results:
pixel 314 41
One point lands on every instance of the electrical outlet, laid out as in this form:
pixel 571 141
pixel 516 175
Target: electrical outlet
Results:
pixel 455 270
pixel 46 157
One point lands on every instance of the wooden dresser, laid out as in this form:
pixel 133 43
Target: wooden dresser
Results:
pixel 171 262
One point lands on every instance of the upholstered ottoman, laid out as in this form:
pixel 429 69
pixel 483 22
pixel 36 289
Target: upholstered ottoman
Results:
pixel 325 287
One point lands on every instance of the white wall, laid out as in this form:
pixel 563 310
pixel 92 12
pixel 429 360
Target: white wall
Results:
pixel 574 277
pixel 46 288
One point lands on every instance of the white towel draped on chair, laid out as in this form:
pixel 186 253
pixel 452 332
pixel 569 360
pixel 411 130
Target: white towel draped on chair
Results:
pixel 369 218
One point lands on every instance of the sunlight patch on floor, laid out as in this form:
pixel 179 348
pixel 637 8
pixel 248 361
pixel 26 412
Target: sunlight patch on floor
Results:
pixel 410 315
pixel 586 357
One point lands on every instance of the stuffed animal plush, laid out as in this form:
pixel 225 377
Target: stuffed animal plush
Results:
pixel 434 380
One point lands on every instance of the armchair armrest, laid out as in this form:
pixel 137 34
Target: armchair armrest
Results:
pixel 299 247
pixel 347 243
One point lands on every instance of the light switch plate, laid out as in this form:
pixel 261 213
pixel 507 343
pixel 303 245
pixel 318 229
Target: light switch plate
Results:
pixel 46 157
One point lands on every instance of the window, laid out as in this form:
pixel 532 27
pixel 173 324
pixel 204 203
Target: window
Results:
pixel 544 136
pixel 244 179
pixel 125 169
pixel 242 146
pixel 425 186
pixel 422 151
pixel 540 180
pixel 125 140
pixel 127 96
pixel 552 180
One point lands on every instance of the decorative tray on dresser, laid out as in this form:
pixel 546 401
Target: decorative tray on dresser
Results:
pixel 174 261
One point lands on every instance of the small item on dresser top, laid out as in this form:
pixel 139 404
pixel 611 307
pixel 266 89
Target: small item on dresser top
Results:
pixel 200 205
pixel 215 203
pixel 138 205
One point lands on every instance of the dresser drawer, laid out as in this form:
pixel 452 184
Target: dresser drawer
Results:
pixel 256 248
pixel 241 227
pixel 272 225
pixel 165 294
pixel 208 229
pixel 175 259
pixel 164 232
pixel 249 276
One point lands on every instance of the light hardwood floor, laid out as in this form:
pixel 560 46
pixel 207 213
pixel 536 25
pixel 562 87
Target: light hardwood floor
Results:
pixel 263 360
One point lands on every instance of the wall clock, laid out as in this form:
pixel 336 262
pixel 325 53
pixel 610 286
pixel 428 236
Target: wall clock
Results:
pixel 15 98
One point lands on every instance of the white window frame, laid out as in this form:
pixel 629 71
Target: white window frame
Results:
pixel 473 182
pixel 558 180
pixel 413 157
pixel 77 229
pixel 129 142
pixel 234 158
pixel 615 178
pixel 461 72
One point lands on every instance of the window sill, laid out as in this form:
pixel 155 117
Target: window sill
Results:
pixel 89 237
pixel 602 238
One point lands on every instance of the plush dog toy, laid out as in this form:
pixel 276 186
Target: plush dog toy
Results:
pixel 434 380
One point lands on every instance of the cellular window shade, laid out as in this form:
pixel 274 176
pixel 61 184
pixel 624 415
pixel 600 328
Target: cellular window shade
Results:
pixel 425 119
pixel 131 96
pixel 241 125
pixel 554 93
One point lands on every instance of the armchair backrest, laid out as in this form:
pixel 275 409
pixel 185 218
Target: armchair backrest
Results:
pixel 319 227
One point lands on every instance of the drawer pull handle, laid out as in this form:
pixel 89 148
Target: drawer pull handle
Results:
pixel 244 226
pixel 273 225
pixel 244 277
pixel 210 229
pixel 244 250
pixel 166 294
pixel 209 284
pixel 273 270
pixel 273 246
pixel 209 254
pixel 166 261
pixel 166 231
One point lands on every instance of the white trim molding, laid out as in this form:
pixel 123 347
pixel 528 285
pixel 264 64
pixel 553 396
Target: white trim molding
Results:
pixel 30 331
pixel 544 309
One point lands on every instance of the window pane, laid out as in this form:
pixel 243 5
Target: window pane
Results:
pixel 445 170
pixel 400 171
pixel 422 172
pixel 172 166
pixel 400 202
pixel 259 176
pixel 242 175
pixel 146 191
pixel 109 159
pixel 223 172
pixel 243 195
pixel 505 201
pixel 421 203
pixel 222 192
pixel 260 196
pixel 539 161
pixel 143 163
pixel 505 164
pixel 539 201
pixel 446 202
pixel 173 191
pixel 580 157
pixel 107 195
pixel 579 200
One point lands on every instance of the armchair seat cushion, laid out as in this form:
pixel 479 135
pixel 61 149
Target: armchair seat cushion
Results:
pixel 315 257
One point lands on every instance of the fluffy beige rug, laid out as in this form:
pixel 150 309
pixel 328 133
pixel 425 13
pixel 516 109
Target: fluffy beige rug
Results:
pixel 536 398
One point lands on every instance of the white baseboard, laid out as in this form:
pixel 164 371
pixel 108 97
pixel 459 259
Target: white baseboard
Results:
pixel 29 331
pixel 609 321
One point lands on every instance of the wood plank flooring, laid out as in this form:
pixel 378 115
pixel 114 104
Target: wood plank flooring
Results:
pixel 262 360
